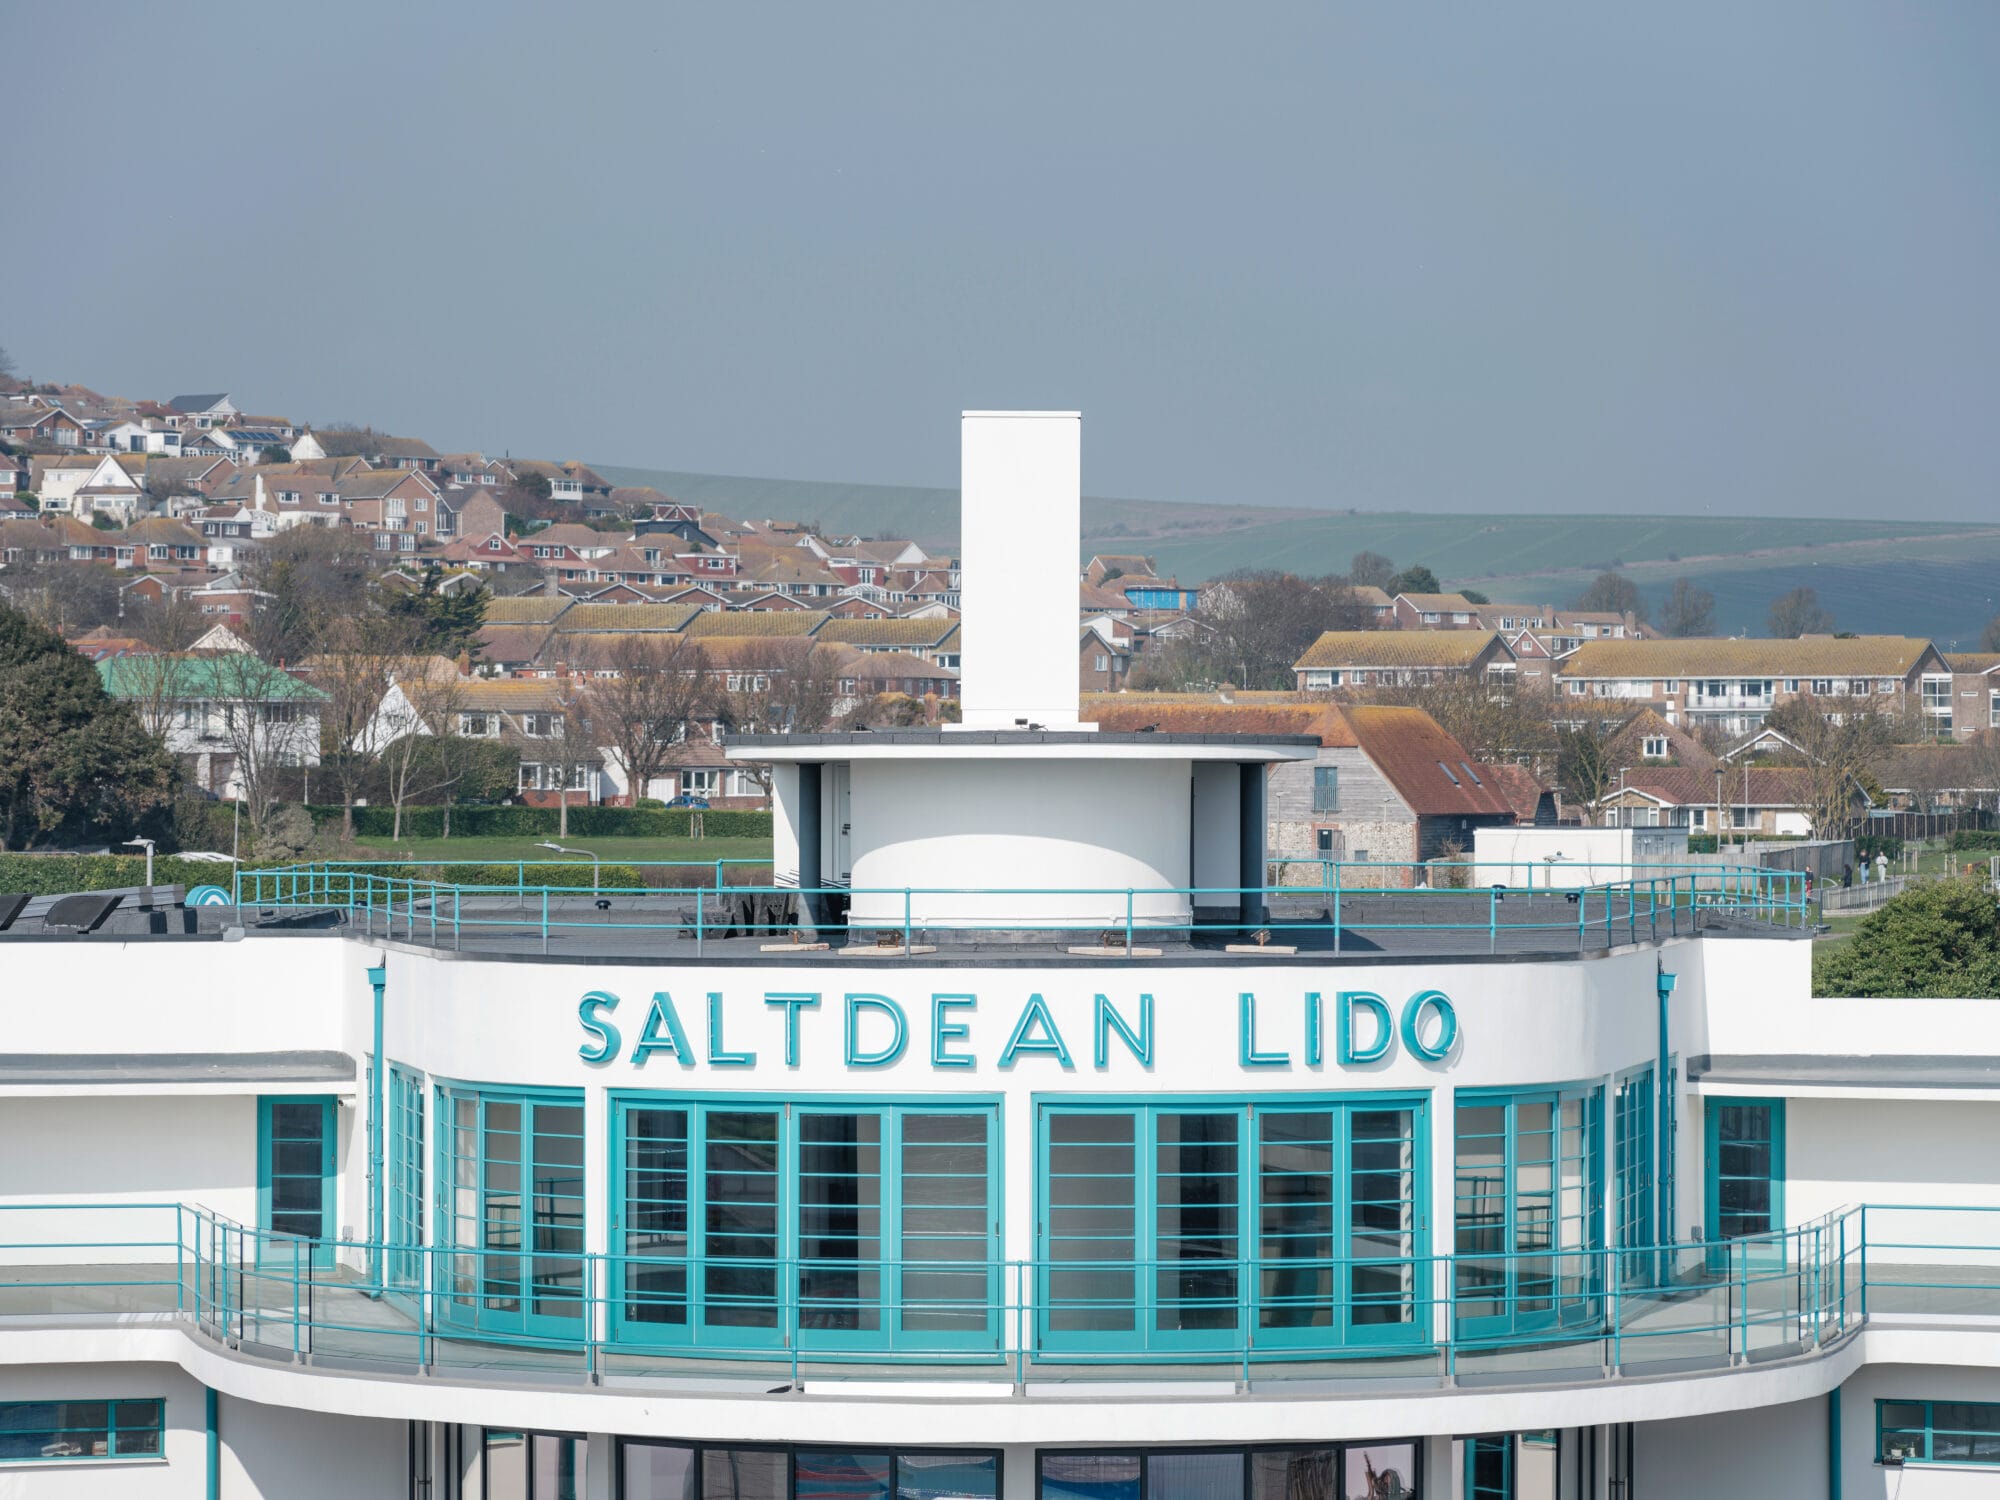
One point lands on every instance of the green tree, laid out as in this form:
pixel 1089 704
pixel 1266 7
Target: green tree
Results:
pixel 1798 613
pixel 442 623
pixel 273 454
pixel 1940 938
pixel 1415 580
pixel 75 764
pixel 1473 596
pixel 1613 594
pixel 1690 610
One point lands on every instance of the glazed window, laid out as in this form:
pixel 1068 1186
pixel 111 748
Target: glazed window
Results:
pixel 1318 1472
pixel 37 1431
pixel 1529 1189
pixel 533 1465
pixel 1746 1167
pixel 748 1226
pixel 406 1175
pixel 1937 1432
pixel 674 1471
pixel 1203 1226
pixel 295 1159
pixel 1632 1166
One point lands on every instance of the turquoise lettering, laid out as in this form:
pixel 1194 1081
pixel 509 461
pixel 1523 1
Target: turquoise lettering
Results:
pixel 663 1032
pixel 604 1043
pixel 718 1054
pixel 1439 1046
pixel 1385 1027
pixel 1315 1031
pixel 1139 1043
pixel 856 1058
pixel 1246 1037
pixel 792 1003
pixel 944 1030
pixel 1035 1016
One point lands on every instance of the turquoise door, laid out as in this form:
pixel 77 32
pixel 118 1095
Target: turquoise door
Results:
pixel 1745 1187
pixel 295 1180
pixel 515 1213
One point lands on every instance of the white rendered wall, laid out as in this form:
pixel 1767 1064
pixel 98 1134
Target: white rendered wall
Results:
pixel 1019 824
pixel 1863 1478
pixel 274 1453
pixel 1768 1452
pixel 1218 819
pixel 1020 525
pixel 180 1474
pixel 1896 1151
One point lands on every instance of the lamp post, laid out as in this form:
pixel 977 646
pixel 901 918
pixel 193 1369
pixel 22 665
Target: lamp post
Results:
pixel 558 848
pixel 147 845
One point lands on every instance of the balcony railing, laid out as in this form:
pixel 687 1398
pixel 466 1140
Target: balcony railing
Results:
pixel 542 1311
pixel 1316 906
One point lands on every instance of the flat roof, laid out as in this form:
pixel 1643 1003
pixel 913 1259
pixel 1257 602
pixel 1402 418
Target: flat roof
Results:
pixel 1011 744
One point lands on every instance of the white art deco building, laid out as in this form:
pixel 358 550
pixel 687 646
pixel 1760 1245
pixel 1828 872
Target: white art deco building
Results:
pixel 989 1154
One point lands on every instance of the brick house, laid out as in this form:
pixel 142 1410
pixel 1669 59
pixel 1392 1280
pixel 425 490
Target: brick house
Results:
pixel 1342 659
pixel 1975 691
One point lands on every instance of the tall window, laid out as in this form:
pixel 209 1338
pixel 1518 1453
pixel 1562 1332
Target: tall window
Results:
pixel 1173 1227
pixel 510 1207
pixel 1632 1165
pixel 747 1225
pixel 295 1160
pixel 406 1175
pixel 1746 1167
pixel 1326 789
pixel 533 1465
pixel 1528 1207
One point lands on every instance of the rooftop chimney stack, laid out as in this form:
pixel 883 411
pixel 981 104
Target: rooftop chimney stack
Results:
pixel 1020 529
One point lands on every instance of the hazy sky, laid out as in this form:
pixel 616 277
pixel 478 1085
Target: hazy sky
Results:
pixel 1386 255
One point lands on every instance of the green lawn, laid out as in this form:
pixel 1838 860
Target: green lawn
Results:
pixel 609 850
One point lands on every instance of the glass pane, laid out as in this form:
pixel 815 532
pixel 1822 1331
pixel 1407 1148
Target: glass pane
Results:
pixel 1092 1222
pixel 740 1275
pixel 1090 1476
pixel 1294 1474
pixel 946 1222
pixel 840 1221
pixel 1194 1476
pixel 1195 1222
pixel 744 1474
pixel 1382 1471
pixel 558 1465
pixel 1382 1216
pixel 948 1476
pixel 506 1466
pixel 656 1215
pixel 1295 1219
pixel 656 1471
pixel 841 1476
pixel 556 1268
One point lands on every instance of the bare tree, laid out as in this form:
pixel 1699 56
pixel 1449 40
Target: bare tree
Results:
pixel 1585 768
pixel 1798 613
pixel 1494 724
pixel 572 747
pixel 789 686
pixel 1982 768
pixel 267 718
pixel 412 764
pixel 1262 622
pixel 662 686
pixel 1838 755
pixel 171 622
pixel 359 659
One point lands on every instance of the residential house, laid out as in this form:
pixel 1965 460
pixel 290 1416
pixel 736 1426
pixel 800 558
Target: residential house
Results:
pixel 86 486
pixel 136 437
pixel 213 709
pixel 1104 660
pixel 39 424
pixel 164 478
pixel 667 518
pixel 570 482
pixel 1380 608
pixel 528 716
pixel 1435 612
pixel 897 672
pixel 1111 565
pixel 1751 800
pixel 933 640
pixel 1345 659
pixel 1733 683
pixel 379 449
pixel 214 409
pixel 1386 788
pixel 1975 691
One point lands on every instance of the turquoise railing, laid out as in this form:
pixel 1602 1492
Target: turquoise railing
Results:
pixel 546 1310
pixel 1346 899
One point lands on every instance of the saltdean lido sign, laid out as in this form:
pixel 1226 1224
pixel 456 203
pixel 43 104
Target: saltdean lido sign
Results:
pixel 1350 1028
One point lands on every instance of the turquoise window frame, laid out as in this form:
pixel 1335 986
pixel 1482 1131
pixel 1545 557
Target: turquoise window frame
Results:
pixel 407 1135
pixel 817 1319
pixel 1920 1445
pixel 1714 1177
pixel 133 1428
pixel 1498 1447
pixel 276 1242
pixel 1527 1282
pixel 1131 1325
pixel 1669 1151
pixel 533 1286
pixel 1634 1183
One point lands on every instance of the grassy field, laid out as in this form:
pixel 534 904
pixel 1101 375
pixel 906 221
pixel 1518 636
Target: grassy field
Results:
pixel 609 850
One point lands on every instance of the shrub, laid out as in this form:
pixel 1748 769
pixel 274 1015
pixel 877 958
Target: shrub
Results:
pixel 523 822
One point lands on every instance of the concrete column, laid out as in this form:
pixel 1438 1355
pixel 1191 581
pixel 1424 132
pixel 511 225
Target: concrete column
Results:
pixel 1250 843
pixel 600 1474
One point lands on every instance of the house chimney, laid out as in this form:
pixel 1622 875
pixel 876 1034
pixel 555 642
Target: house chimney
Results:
pixel 1020 529
pixel 258 502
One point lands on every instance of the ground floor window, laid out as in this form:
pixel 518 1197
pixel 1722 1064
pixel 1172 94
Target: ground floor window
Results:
pixel 745 1224
pixel 1528 1211
pixel 1205 1224
pixel 1513 1466
pixel 533 1466
pixel 295 1168
pixel 674 1471
pixel 1370 1471
pixel 1746 1167
pixel 510 1207
pixel 1937 1432
pixel 36 1430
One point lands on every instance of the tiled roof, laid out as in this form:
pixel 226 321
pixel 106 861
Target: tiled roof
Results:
pixel 1440 603
pixel 886 632
pixel 513 642
pixel 1808 656
pixel 510 694
pixel 1972 661
pixel 526 609
pixel 765 623
pixel 1431 771
pixel 1517 784
pixel 1368 594
pixel 221 674
pixel 574 534
pixel 1396 648
pixel 626 618
pixel 1683 786
pixel 882 665
pixel 337 444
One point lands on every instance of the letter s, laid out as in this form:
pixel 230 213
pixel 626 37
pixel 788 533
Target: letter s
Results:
pixel 605 1041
